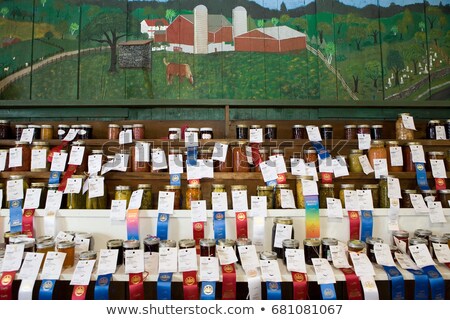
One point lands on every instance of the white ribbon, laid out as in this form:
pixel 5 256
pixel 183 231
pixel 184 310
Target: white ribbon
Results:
pixel 254 285
pixel 369 287
pixel 258 232
pixel 26 290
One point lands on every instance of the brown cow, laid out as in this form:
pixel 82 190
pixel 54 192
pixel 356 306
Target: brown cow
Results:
pixel 180 70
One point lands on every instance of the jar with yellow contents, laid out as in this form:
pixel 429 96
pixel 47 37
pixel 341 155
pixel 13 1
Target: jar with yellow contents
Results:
pixel 147 196
pixel 278 189
pixel 193 193
pixel 123 193
pixel 299 190
pixel 353 161
pixel 345 186
pixel 266 191
pixel 76 200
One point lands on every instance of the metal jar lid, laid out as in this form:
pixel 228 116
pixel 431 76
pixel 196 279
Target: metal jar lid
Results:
pixel 44 238
pixel 409 191
pixel 370 186
pixel 97 152
pixel 83 235
pixel 264 188
pixel 238 187
pixel 309 151
pixel 348 186
pixel 170 187
pixel 391 143
pixel 434 122
pixel 271 125
pixel 356 244
pixel 192 130
pixel 78 143
pixel 436 153
pixel 243 242
pixel 413 143
pixel 350 126
pixel 242 126
pixel 356 151
pixel 138 125
pixel 268 255
pixel 378 143
pixel 329 241
pixel 363 126
pixel 416 240
pixel 65 244
pixel 38 185
pixel 167 244
pixel 45 244
pixel 21 143
pixel 194 186
pixel 218 186
pixel 131 244
pixel 283 220
pixel 305 178
pixel 144 186
pixel 311 242
pixel 151 241
pixel 206 129
pixel 4 121
pixel 422 233
pixel 127 126
pixel 438 239
pixel 37 126
pixel 327 185
pixel 66 126
pixel 207 242
pixel 226 242
pixel 400 233
pixel 113 125
pixel 373 240
pixel 255 126
pixel 40 144
pixel 376 126
pixel 53 186
pixel 298 126
pixel 114 243
pixel 291 243
pixel 186 243
pixel 122 188
pixel 325 126
pixel 444 191
pixel 88 255
pixel 282 186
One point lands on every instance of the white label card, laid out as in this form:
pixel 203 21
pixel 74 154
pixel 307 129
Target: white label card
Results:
pixel 380 167
pixel 27 135
pixel 440 133
pixel 96 187
pixel 418 156
pixel 125 136
pixel 63 236
pixel 30 266
pixel 394 188
pixel 442 252
pixel 198 211
pixel 408 122
pixel 14 190
pixel 166 202
pixel 405 261
pixel 418 202
pixel 72 134
pixel 249 257
pixel 270 270
pixel 313 133
pixel 220 152
pixel 256 135
pixel 81 245
pixel 298 167
pixel 340 168
pixel 118 210
pixel 282 232
pixel 190 139
pixel 136 199
pixel 142 152
pixel 287 199
pixel 38 159
pixel 421 255
pixel 268 170
pixel 3 155
pixel 82 274
pixel 279 163
pixel 239 198
pixel 168 260
pixel 151 262
pixel 159 161
pixel 94 163
pixel 259 206
pixel 436 212
pixel 107 262
pixel 53 265
pixel 134 261
pixel 206 168
pixel 187 260
pixel 311 170
pixel 209 269
pixel 365 164
pixel 365 199
pixel 13 257
pixel 364 141
pixel 53 201
pixel 73 185
pixel 396 156
pixel 351 200
pixel 295 260
pixel 383 255
pixel 249 154
pixel 326 165
pixel 15 157
pixel 362 264
pixel 309 188
pixel 227 255
pixel 175 163
pixel 401 245
pixel 438 168
pixel 219 201
pixel 334 208
pixel 76 155
pixel 194 172
pixel 324 272
pixel 339 257
pixel 59 162
pixel 32 198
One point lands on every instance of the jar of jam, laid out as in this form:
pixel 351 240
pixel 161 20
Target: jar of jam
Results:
pixel 193 193
pixel 113 131
pixel 37 131
pixel 289 244
pixel 5 131
pixel 310 155
pixel 401 132
pixel 68 247
pixel 376 131
pixel 326 252
pixel 47 132
pixel 174 134
pixel 122 193
pixel 405 201
pixel 326 131
pixel 353 161
pixel 147 196
pixel 116 244
pixel 283 222
pixel 263 154
pixel 356 246
pixel 431 129
pixel 140 157
pixel 85 132
pixel 167 244
pixel 415 241
pixel 375 190
pixel 19 129
pixel 350 132
pixel 241 242
pixel 434 155
pixel 299 132
pixel 138 131
pixel 438 240
pixel 400 236
pixel 241 131
pixel 151 244
pixel 326 190
pixel 362 129
pixel 370 241
pixel 206 133
pixel 44 247
pixel 227 165
pixel 177 195
pixel 83 167
pixel 38 147
pixel 268 192
pixel 278 189
pixel 268 255
pixel 240 163
pixel 391 168
pixel 345 186
pixel 186 244
pixel 376 151
pixel 130 245
pixel 444 197
pixel 299 190
pixel 207 247
pixel 63 130
pixel 26 157
pixel 43 187
pixel 384 199
pixel 312 249
pixel 270 131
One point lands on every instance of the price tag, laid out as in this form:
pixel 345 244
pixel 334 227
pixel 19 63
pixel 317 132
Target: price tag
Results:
pixel 96 187
pixel 219 201
pixel 418 156
pixel 268 170
pixel 295 260
pixel 408 122
pixel 365 199
pixel 405 261
pixel 311 170
pixel 324 272
pixel 209 269
pixel 175 163
pixel 15 157
pixel 364 141
pixel 259 206
pixel 76 155
pixel 82 274
pixel 13 257
pixel 38 159
pixel 421 255
pixel 418 203
pixel 3 155
pixel 151 262
pixel 436 212
pixel 334 208
pixel 239 198
pixel 442 252
pixel 440 133
pixel 249 258
pixel 282 232
pixel 30 266
pixel 362 264
pixel 53 265
pixel 142 151
pixel 191 139
pixel 396 156
pixel 136 199
pixel 339 257
pixel 72 134
pixel 279 163
pixel 313 133
pixel 438 168
pixel 380 167
pixel 27 135
pixel 309 188
pixel 118 210
pixel 383 254
pixel 220 152
pixel 206 168
pixel 134 261
pixel 53 201
pixel 32 198
pixel 107 262
pixel 340 168
pixel 270 271
pixel 73 185
pixel 14 190
pixel 365 164
pixel 351 200
pixel 159 161
pixel 94 163
pixel 187 260
pixel 126 137
pixel 287 199
pixel 198 211
pixel 59 162
pixel 166 202
pixel 168 260
pixel 227 255
pixel 298 167
pixel 256 136
pixel 394 188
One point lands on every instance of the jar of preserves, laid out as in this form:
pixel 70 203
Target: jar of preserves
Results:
pixel 63 130
pixel 280 222
pixel 47 132
pixel 37 131
pixel 174 134
pixel 177 195
pixel 312 249
pixel 88 255
pixel 356 246
pixel 326 131
pixel 400 237
pixel 26 157
pixel 326 190
pixel 431 129
pixel 370 241
pixel 138 131
pixel 391 168
pixel 376 131
pixel 299 190
pixel 405 201
pixel 227 165
pixel 205 153
pixel 326 251
pixel 218 188
pixel 186 244
pixel 113 131
pixel 206 133
pixel 38 147
pixel 44 247
pixel 8 235
pixel 362 129
pixel 289 244
pixel 350 132
pixel 240 163
pixel 384 199
pixel 345 186
pixel 270 131
pixel 18 130
pixel 268 255
pixel 147 197
pixel 207 247
pixel 85 132
pixel 438 240
pixel 43 187
pixel 299 132
pixel 151 244
pixel 122 193
pixel 241 131
pixel 277 190
pixel 140 157
pixel 408 164
pixel 76 200
pixel 444 197
pixel 241 242
pixel 434 155
pixel 125 154
pixel 83 167
pixel 167 244
pixel 116 244
pixel 230 243
pixel 193 193
pixel 424 234
pixel 310 155
pixel 376 151
pixel 86 236
pixel 68 247
pixel 401 132
pixel 268 192
pixel 130 245
pixel 5 129
pixel 127 127
pixel 353 161
pixel 263 154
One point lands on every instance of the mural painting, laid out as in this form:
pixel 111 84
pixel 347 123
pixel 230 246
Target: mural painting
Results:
pixel 329 50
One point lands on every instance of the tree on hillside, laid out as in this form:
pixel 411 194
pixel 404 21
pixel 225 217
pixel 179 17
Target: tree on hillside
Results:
pixel 260 23
pixel 49 35
pixel 93 11
pixel 433 14
pixel 301 24
pixel 59 6
pixel 358 34
pixel 284 18
pixel 405 22
pixel 62 27
pixel 323 29
pixel 339 21
pixel 170 15
pixel 421 38
pixel 435 34
pixel 415 54
pixel 148 11
pixel 396 64
pixel 4 11
pixel 74 27
pixel 374 29
pixel 275 21
pixel 373 71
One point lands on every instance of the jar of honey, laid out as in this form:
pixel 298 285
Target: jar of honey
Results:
pixel 356 246
pixel 312 249
pixel 353 161
pixel 240 162
pixel 207 247
pixel 44 247
pixel 68 247
pixel 193 193
pixel 401 132
pixel 46 132
pixel 177 196
pixel 40 147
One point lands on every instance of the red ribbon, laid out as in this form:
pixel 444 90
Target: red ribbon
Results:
pixel 69 173
pixel 355 222
pixel 6 282
pixel 56 149
pixel 27 222
pixel 354 291
pixel 327 177
pixel 194 181
pixel 190 287
pixel 256 156
pixel 440 184
pixel 241 225
pixel 199 233
pixel 228 282
pixel 136 286
pixel 79 292
pixel 300 286
pixel 281 178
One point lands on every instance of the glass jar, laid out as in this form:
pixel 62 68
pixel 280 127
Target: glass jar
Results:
pixel 353 161
pixel 401 132
pixel 138 131
pixel 376 131
pixel 325 191
pixel 140 162
pixel 44 247
pixel 375 190
pixel 174 134
pixel 263 155
pixel 68 247
pixel 85 132
pixel 205 153
pixel 147 197
pixel 391 168
pixel 415 241
pixel 424 234
pixel 43 187
pixel 433 155
pixel 350 132
pixel 283 221
pixel 151 244
pixel 43 146
pixel 312 249
pixel 83 167
pixel 405 201
pixel 241 131
pixel 63 130
pixel 97 202
pixel 227 165
pixel 230 243
pixel 37 131
pixel 116 244
pixel 345 186
pixel 444 197
pixel 400 236
pixel 86 236
pixel 76 200
pixel 26 157
pixel 310 155
pixel 24 184
pixel 370 241
pixel 289 244
pixel 384 199
pixel 240 163
pixel 299 132
pixel 299 190
pixel 326 131
pixel 218 188
pixel 177 195
pixel 18 130
pixel 438 240
pixel 362 129
pixel 326 252
pixel 239 243
pixel 47 132
pixel 429 195
pixel 277 190
pixel 113 131
pixel 268 255
pixel 123 193
pixel 268 192
pixel 130 245
pixel 167 244
pixel 206 133
pixel 447 235
pixel 193 193
pixel 207 247
pixel 431 129
pixel 356 246
pixel 376 151
pixel 270 131
pixel 8 235
pixel 5 130
pixel 186 244
pixel 127 127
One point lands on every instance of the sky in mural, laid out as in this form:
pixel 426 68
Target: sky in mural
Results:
pixel 290 4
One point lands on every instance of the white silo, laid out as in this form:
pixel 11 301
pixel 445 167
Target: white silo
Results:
pixel 239 21
pixel 200 29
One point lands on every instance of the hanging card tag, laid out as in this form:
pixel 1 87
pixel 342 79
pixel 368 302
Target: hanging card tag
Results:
pixel 298 167
pixel 442 252
pixel 259 206
pixel 270 271
pixel 73 185
pixel 394 188
pixel 151 262
pixel 364 141
pixel 27 135
pixel 53 265
pixel 383 255
pixel 31 265
pixel 324 272
pixel 351 200
pixel 334 208
pixel 365 164
pixel 168 260
pixel 191 139
pixel 380 168
pixel 405 261
pixel 81 245
pixel 3 155
pixel 339 257
pixel 326 165
pixel 340 168
pixel 53 201
pixel 418 203
pixel 72 134
pixel 32 198
pixel 126 137
pixel 249 257
pixel 313 133
pixel 59 162
pixel 194 172
pixel 166 202
pixel 418 156
pixel 282 232
pixel 362 264
pixel 118 210
pixel 134 261
pixel 268 170
pixel 14 190
pixel 107 262
pixel 94 163
pixel 15 157
pixel 220 152
pixel 311 170
pixel 365 199
pixel 219 201
pixel 440 133
pixel 76 155
pixel 159 161
pixel 96 187
pixel 187 260
pixel 175 163
pixel 436 212
pixel 198 211
pixel 206 168
pixel 310 188
pixel 136 199
pixel 13 257
pixel 227 255
pixel 295 260
pixel 209 269
pixel 38 159
pixel 256 136
pixel 408 122
pixel 421 255
pixel 438 169
pixel 82 274
pixel 239 198
pixel 279 163
pixel 142 151
pixel 396 156
pixel 287 199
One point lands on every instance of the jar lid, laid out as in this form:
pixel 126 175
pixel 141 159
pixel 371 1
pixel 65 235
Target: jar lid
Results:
pixel 400 233
pixel 65 244
pixel 63 126
pixel 72 233
pixel 218 186
pixel 131 244
pixel 445 191
pixel 83 235
pixel 391 143
pixel 114 243
pixel 298 126
pixel 113 125
pixel 207 242
pixel 438 239
pixel 174 151
pixel 377 143
pixel 226 242
pixel 283 220
pixel 97 152
pixel 21 143
pixel 45 244
pixel 356 151
pixel 144 186
pixel 4 121
pixel 370 186
pixel 194 186
pixel 373 240
pixel 40 143
pixel 16 177
pixel 309 151
pixel 385 177
pixel 241 143
pixel 122 188
pixel 305 177
pixel 88 255
pixel 268 255
pixel 170 187
pixel 428 191
pixel 327 185
pixel 434 122
pixel 255 126
pixel 271 125
pixel 264 188
pixel 44 238
pixel 277 151
pixel 206 151
pixel 350 126
pixel 347 186
pixel 291 243
pixel 138 125
pixel 282 186
pixel 416 240
pixel 404 114
pixel 329 241
pixel 311 242
pixel 409 191
pixel 363 126
pixel 167 244
pixel 326 126
pixel 38 185
pixel 422 233
pixel 263 150
pixel 206 129
pixel 243 242
pixel 356 244
pixel 238 187
pixel 186 243
pixel 9 234
pixel 20 126
pixel 53 185
pixel 127 126
pixel 242 126
pixel 192 130
pixel 78 143
pixel 36 126
pixel 377 126
pixel 4 150
pixel 46 126
pixel 447 235
pixel 75 126
pixel 413 143
pixel 86 126
pixel 436 153
pixel 150 241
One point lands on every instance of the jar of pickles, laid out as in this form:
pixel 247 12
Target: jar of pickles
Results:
pixel 326 251
pixel 405 201
pixel 193 193
pixel 207 247
pixel 281 222
pixel 37 149
pixel 289 244
pixel 240 162
pixel 350 132
pixel 384 199
pixel 376 151
pixel 26 156
pixel 268 192
pixel 401 132
pixel 375 190
pixel 345 186
pixel 147 196
pixel 116 244
pixel 177 195
pixel 299 132
pixel 123 193
pixel 67 247
pixel 326 190
pixel 278 188
pixel 312 249
pixel 299 190
pixel 353 159
pixel 76 200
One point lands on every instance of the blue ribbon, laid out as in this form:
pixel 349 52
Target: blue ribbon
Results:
pixel 328 291
pixel 437 283
pixel 175 179
pixel 397 283
pixel 164 286
pixel 208 290
pixel 219 225
pixel 192 156
pixel 320 149
pixel 420 284
pixel 101 290
pixel 162 228
pixel 421 175
pixel 46 289
pixel 366 224
pixel 271 183
pixel 54 177
pixel 15 215
pixel 273 290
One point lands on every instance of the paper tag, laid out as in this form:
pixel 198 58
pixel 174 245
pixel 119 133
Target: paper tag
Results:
pixel 206 168
pixel 94 163
pixel 339 257
pixel 63 236
pixel 268 170
pixel 421 255
pixel 76 155
pixel 313 133
pixel 351 200
pixel 227 255
pixel 365 164
pixel 119 163
pixel 194 172
pixel 282 232
pixel 394 188
pixel 219 201
pixel 15 157
pixel 362 264
pixel 27 135
pixel 405 261
pixel 340 168
pixel 134 261
pixel 256 135
pixel 32 199
pixel 418 203
pixel 14 190
pixel 220 152
pixel 380 168
pixel 168 260
pixel 73 185
pixel 53 265
pixel 309 188
pixel 442 252
pixel 295 260
pixel 311 170
pixel 107 262
pixel 326 165
pixel 166 202
pixel 287 199
pixel 324 272
pixel 96 187
pixel 279 163
pixel 438 169
pixel 249 257
pixel 159 161
pixel 209 269
pixel 3 155
pixel 198 211
pixel 126 137
pixel 142 151
pixel 334 208
pixel 396 156
pixel 59 162
pixel 418 156
pixel 136 199
pixel 259 206
pixel 191 139
pixel 239 198
pixel 38 159
pixel 298 167
pixel 13 257
pixel 365 199
pixel 118 210
pixel 72 134
pixel 151 262
pixel 82 274
pixel 436 212
pixel 175 163
pixel 53 201
pixel 408 122
pixel 364 140
pixel 400 244
pixel 249 154
pixel 187 260
pixel 440 133
pixel 30 266
pixel 383 254
pixel 270 271
pixel 81 245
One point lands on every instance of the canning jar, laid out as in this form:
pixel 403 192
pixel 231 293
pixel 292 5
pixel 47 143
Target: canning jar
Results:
pixel 43 187
pixel 310 155
pixel 240 163
pixel 270 131
pixel 47 132
pixel 424 234
pixel 289 244
pixel 444 197
pixel 241 242
pixel 375 190
pixel 408 164
pixel 37 131
pixel 376 131
pixel 241 131
pixel 113 131
pixel 431 129
pixel 405 201
pixel 63 130
pixel 227 165
pixel 218 188
pixel 391 168
pixel 434 155
pixel 312 249
pixel 138 131
pixel 125 154
pixel 206 133
pixel 415 241
pixel 362 129
pixel 44 247
pixel 401 132
pixel 205 153
pixel 116 244
pixel 384 199
pixel 83 167
pixel 447 235
pixel 5 130
pixel 370 241
pixel 177 195
pixel 400 235
pixel 268 192
pixel 140 162
pixel 326 190
pixel 174 134
pixel 147 197
pixel 127 127
pixel 123 193
pixel 299 190
pixel 130 245
pixel 38 147
pixel 429 195
pixel 356 246
pixel 6 157
pixel 76 200
pixel 85 132
pixel 151 244
pixel 281 221
pixel 26 156
pixel 299 132
pixel 193 193
pixel 18 130
pixel 207 247
pixel 68 247
pixel 438 240
pixel 277 190
pixel 230 243
pixel 376 151
pixel 350 132
pixel 345 186
pixel 326 252
pixel 353 161
pixel 97 202
pixel 88 255
pixel 326 131
pixel 186 244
